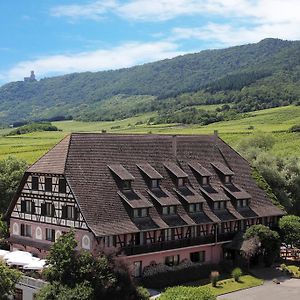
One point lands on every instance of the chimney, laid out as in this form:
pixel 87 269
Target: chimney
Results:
pixel 174 145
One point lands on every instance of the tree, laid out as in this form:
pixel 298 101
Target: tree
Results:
pixel 8 279
pixel 290 230
pixel 72 273
pixel 269 239
pixel 3 231
pixel 11 172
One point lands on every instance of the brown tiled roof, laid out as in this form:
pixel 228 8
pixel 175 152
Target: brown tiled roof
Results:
pixel 163 197
pixel 235 191
pixel 222 168
pixel 54 161
pixel 149 171
pixel 175 170
pixel 121 172
pixel 135 199
pixel 199 169
pixel 189 195
pixel 213 193
pixel 85 158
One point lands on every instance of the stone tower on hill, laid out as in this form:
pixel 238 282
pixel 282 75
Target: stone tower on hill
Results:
pixel 31 77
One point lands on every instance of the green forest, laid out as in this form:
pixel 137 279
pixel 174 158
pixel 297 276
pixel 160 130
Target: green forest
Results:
pixel 243 78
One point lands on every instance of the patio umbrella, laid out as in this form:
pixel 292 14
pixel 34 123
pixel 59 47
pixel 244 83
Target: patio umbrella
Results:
pixel 35 265
pixel 18 258
pixel 3 253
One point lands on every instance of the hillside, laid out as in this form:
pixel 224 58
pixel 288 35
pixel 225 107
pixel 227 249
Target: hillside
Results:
pixel 275 121
pixel 253 76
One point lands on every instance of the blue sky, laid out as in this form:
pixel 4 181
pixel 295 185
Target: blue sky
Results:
pixel 58 37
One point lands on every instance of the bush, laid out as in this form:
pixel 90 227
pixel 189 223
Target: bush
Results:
pixel 295 128
pixel 33 127
pixel 142 293
pixel 283 267
pixel 161 275
pixel 236 274
pixel 187 293
pixel 214 277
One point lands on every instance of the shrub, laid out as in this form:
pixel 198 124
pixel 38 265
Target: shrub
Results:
pixel 283 267
pixel 295 128
pixel 161 275
pixel 187 293
pixel 142 293
pixel 236 274
pixel 214 277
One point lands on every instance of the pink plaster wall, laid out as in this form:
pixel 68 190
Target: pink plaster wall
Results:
pixel 213 254
pixel 78 234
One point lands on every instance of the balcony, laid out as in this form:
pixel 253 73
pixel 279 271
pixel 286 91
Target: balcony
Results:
pixel 167 245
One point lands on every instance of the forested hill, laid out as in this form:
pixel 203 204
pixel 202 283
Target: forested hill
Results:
pixel 204 75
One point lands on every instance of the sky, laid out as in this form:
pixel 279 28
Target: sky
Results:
pixel 55 37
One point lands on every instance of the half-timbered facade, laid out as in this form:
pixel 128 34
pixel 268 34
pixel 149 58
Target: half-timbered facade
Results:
pixel 158 198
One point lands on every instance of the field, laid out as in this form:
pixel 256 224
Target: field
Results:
pixel 275 121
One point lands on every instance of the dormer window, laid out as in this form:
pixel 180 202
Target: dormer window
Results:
pixel 205 180
pixel 219 205
pixel 169 210
pixel 242 203
pixel 227 179
pixel 140 212
pixel 126 185
pixel 154 183
pixel 195 207
pixel 181 182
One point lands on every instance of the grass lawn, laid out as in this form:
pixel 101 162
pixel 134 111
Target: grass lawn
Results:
pixel 275 121
pixel 230 285
pixel 295 270
pixel 223 287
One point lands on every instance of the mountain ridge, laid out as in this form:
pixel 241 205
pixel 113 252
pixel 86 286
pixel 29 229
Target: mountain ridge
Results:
pixel 81 94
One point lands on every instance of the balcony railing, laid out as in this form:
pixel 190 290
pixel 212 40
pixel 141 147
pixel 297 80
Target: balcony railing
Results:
pixel 182 243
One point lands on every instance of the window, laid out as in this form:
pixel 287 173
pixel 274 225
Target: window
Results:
pixel 137 269
pixel 26 230
pixel 48 184
pixel 35 183
pixel 27 206
pixel 181 182
pixel 242 203
pixel 18 295
pixel 154 183
pixel 227 179
pixel 70 212
pixel 169 210
pixel 126 185
pixel 62 185
pixel 50 235
pixel 220 205
pixel 140 212
pixel 49 209
pixel 204 180
pixel 168 234
pixel 172 260
pixel 197 256
pixel 195 207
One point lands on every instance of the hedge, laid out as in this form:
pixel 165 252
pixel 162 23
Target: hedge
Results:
pixel 161 275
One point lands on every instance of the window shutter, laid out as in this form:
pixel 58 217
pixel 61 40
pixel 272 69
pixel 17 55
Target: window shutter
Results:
pixel 43 209
pixel 53 210
pixel 53 236
pixel 64 212
pixel 32 207
pixel 76 213
pixel 23 206
pixel 22 229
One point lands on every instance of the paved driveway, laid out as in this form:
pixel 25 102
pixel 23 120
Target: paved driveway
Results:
pixel 289 289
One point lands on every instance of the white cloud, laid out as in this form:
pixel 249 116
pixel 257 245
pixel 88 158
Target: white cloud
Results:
pixel 125 55
pixel 94 10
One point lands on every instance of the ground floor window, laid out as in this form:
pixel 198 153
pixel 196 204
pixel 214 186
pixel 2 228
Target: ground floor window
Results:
pixel 137 269
pixel 172 260
pixel 50 235
pixel 198 256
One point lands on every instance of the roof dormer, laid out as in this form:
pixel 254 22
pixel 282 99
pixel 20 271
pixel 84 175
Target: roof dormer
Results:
pixel 201 173
pixel 177 172
pixel 123 175
pixel 224 172
pixel 152 176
